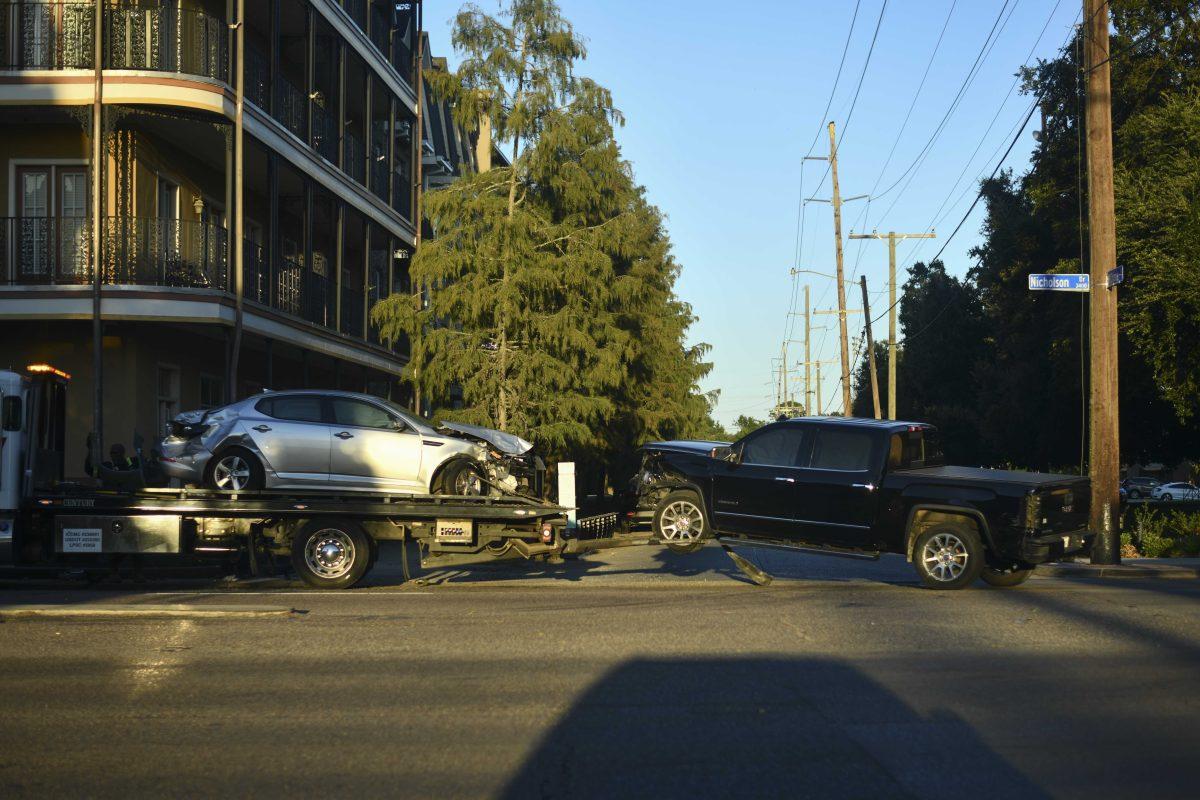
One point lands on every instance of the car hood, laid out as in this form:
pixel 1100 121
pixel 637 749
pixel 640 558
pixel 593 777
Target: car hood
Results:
pixel 506 443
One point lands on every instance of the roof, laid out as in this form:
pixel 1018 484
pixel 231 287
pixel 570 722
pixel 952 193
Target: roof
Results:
pixel 865 422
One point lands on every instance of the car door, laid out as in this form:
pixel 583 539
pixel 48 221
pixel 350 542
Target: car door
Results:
pixel 373 448
pixel 755 495
pixel 836 499
pixel 291 433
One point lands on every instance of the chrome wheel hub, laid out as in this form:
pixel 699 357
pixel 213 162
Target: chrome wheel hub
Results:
pixel 329 553
pixel 231 472
pixel 682 521
pixel 945 557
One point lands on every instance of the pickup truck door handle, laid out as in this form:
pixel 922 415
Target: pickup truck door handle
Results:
pixel 262 428
pixel 870 487
pixel 781 478
pixel 344 435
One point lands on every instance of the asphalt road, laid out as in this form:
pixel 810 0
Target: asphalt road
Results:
pixel 632 674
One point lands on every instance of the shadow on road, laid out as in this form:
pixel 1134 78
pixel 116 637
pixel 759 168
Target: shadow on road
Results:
pixel 758 727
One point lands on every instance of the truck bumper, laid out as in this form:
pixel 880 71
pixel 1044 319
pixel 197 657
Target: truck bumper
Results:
pixel 1040 549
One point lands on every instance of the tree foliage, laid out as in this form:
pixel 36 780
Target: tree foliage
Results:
pixel 1001 369
pixel 547 295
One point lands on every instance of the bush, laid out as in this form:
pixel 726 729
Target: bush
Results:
pixel 1158 534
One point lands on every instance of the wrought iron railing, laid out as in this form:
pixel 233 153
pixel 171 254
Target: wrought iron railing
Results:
pixel 41 35
pixel 324 133
pixel 258 78
pixel 256 276
pixel 165 252
pixel 36 250
pixel 291 105
pixel 355 158
pixel 166 39
pixel 137 250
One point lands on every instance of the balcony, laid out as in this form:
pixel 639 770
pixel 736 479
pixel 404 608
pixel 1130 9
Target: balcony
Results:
pixel 166 40
pixel 47 35
pixel 59 35
pixel 137 251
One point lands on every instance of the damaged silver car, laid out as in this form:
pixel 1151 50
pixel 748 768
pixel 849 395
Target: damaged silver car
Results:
pixel 343 440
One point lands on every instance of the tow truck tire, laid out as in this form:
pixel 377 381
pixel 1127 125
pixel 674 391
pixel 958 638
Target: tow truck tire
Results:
pixel 1005 578
pixel 948 556
pixel 331 554
pixel 680 522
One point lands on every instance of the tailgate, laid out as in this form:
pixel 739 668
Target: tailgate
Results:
pixel 1062 507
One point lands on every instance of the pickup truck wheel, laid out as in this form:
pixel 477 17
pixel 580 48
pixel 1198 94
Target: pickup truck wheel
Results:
pixel 331 554
pixel 948 557
pixel 680 522
pixel 1005 578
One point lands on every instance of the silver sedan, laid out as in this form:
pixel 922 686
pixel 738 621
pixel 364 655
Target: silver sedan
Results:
pixel 310 439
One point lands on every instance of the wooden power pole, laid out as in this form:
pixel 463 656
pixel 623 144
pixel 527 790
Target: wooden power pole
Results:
pixel 1105 454
pixel 870 347
pixel 892 237
pixel 807 354
pixel 841 283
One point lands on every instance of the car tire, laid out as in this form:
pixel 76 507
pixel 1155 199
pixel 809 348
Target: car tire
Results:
pixel 1166 498
pixel 680 522
pixel 235 469
pixel 948 556
pixel 463 479
pixel 331 554
pixel 1005 579
pixel 1134 494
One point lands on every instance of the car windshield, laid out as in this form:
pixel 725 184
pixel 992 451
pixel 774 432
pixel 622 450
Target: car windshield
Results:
pixel 409 414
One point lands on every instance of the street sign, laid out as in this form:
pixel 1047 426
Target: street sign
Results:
pixel 1115 277
pixel 1060 283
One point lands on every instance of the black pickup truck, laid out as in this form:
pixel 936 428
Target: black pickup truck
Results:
pixel 848 486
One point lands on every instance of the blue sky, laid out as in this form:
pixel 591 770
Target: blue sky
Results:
pixel 721 107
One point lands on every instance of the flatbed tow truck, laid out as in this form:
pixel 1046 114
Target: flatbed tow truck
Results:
pixel 331 537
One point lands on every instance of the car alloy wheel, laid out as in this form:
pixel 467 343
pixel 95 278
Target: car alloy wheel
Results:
pixel 232 472
pixel 681 521
pixel 329 553
pixel 467 483
pixel 945 557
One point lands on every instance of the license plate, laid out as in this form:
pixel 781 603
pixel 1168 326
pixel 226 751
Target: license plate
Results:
pixel 454 531
pixel 81 540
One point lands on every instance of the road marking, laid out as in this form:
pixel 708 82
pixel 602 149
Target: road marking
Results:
pixel 175 611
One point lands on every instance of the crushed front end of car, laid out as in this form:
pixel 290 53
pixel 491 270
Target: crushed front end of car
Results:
pixel 508 462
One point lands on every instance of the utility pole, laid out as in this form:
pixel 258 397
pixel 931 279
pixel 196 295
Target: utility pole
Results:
pixel 892 237
pixel 97 242
pixel 807 353
pixel 841 284
pixel 870 348
pixel 819 407
pixel 1105 434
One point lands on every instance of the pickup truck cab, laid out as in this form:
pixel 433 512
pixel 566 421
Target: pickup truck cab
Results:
pixel 849 486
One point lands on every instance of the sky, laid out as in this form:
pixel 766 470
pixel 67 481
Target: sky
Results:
pixel 723 101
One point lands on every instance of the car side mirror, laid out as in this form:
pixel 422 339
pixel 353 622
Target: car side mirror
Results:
pixel 731 454
pixel 720 453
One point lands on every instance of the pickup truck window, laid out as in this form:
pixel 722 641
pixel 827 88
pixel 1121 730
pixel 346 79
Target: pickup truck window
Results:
pixel 915 449
pixel 847 451
pixel 777 447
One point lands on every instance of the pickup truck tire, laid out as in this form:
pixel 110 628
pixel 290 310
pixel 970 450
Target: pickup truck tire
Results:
pixel 948 556
pixel 1005 579
pixel 331 554
pixel 680 522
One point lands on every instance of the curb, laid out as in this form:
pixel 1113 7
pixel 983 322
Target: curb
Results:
pixel 1164 572
pixel 142 611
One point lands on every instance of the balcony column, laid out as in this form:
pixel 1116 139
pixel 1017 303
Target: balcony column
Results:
pixel 366 283
pixel 309 71
pixel 273 66
pixel 341 106
pixel 368 136
pixel 339 242
pixel 271 245
pixel 307 282
pixel 391 154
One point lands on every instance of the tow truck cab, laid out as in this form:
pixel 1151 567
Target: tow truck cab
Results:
pixel 32 441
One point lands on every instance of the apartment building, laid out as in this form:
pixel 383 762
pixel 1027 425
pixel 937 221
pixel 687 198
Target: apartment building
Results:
pixel 328 165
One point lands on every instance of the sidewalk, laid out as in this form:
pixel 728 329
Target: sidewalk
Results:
pixel 1160 568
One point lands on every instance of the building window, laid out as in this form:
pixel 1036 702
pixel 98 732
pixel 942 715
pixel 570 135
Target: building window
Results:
pixel 168 395
pixel 212 391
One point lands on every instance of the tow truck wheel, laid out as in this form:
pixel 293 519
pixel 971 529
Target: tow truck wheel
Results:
pixel 331 554
pixel 948 556
pixel 1005 578
pixel 680 523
